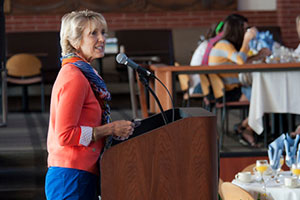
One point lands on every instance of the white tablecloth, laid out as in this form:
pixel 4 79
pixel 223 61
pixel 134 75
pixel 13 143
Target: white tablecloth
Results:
pixel 274 191
pixel 273 92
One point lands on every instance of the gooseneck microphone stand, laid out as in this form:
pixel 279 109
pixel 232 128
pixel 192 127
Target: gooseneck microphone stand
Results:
pixel 145 82
pixel 123 59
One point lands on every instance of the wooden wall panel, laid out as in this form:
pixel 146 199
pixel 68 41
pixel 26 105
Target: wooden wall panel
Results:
pixel 230 166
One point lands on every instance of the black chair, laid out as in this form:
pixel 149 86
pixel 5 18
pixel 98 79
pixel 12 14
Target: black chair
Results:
pixel 219 92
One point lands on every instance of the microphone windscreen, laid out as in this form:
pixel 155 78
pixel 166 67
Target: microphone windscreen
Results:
pixel 121 58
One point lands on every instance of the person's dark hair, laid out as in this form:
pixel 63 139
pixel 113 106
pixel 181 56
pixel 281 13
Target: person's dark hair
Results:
pixel 238 16
pixel 233 30
pixel 211 32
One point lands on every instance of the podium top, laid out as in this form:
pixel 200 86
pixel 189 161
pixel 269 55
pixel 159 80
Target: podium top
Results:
pixel 156 121
pixel 193 112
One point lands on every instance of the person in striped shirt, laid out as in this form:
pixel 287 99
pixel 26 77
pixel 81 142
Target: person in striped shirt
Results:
pixel 233 49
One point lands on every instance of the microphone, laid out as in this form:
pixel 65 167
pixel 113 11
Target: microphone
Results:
pixel 121 58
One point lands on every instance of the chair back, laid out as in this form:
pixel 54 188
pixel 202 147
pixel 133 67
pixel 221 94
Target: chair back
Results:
pixel 234 192
pixel 217 85
pixel 219 189
pixel 249 168
pixel 183 79
pixel 23 65
pixel 184 82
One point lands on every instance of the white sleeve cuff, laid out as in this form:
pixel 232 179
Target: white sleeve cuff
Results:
pixel 86 135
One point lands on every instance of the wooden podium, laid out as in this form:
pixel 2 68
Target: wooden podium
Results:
pixel 177 161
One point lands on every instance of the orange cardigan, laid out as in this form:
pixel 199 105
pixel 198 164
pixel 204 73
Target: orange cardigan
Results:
pixel 73 104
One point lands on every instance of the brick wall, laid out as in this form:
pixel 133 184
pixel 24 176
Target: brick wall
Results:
pixel 119 21
pixel 287 10
pixel 283 17
pixel 32 23
pixel 182 19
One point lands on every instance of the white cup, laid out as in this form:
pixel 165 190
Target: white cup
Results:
pixel 244 177
pixel 291 181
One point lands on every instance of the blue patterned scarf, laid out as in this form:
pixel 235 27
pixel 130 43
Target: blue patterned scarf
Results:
pixel 98 86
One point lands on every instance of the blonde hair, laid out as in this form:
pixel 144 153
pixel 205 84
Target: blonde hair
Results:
pixel 72 27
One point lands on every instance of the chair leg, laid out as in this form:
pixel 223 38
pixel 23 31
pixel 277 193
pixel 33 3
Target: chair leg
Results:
pixel 226 121
pixel 25 98
pixel 183 103
pixel 206 106
pixel 216 112
pixel 188 102
pixel 42 97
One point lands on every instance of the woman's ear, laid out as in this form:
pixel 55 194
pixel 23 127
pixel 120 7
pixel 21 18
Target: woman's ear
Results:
pixel 74 45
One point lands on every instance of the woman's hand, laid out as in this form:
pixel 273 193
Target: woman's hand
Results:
pixel 264 52
pixel 250 34
pixel 121 129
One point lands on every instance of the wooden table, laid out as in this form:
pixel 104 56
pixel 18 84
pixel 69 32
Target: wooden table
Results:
pixel 167 75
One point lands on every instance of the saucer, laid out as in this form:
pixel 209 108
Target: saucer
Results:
pixel 250 181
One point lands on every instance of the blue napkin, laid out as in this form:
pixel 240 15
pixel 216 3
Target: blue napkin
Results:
pixel 275 151
pixel 290 149
pixel 262 40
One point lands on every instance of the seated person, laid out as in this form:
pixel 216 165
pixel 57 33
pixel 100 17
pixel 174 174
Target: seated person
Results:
pixel 233 49
pixel 195 86
pixel 297 50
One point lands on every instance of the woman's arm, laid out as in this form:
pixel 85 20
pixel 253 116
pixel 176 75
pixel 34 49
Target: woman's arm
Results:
pixel 68 108
pixel 249 35
pixel 225 53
